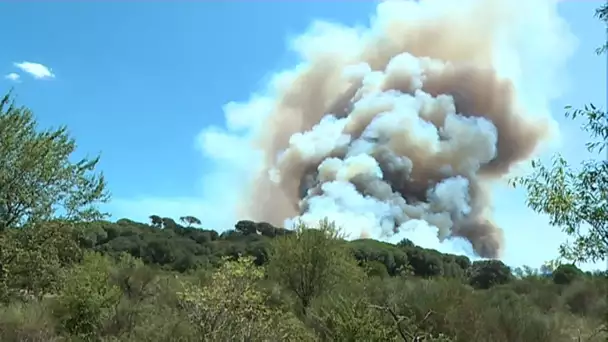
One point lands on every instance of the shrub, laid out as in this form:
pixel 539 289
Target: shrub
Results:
pixel 87 297
pixel 27 322
pixel 312 262
pixel 566 274
pixel 487 273
pixel 232 308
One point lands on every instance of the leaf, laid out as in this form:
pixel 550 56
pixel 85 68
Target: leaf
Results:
pixel 38 176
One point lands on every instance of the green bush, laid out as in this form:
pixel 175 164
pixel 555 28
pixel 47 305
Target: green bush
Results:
pixel 27 322
pixel 87 298
pixel 487 273
pixel 362 290
pixel 566 274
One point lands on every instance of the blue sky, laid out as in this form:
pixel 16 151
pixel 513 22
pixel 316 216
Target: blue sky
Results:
pixel 139 82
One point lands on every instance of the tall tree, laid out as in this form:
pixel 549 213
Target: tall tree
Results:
pixel 311 262
pixel 189 220
pixel 156 221
pixel 38 181
pixel 576 199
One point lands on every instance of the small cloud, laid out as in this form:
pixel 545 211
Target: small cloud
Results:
pixel 13 77
pixel 37 70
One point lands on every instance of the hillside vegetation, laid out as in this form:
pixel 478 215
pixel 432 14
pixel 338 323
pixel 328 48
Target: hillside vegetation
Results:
pixel 67 274
pixel 129 281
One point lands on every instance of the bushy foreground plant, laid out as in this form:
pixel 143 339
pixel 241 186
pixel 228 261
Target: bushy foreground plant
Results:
pixel 231 307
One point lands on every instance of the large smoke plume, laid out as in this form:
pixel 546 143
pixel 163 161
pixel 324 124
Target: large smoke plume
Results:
pixel 408 121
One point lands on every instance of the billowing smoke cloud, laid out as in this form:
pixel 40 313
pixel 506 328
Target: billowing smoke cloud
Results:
pixel 407 123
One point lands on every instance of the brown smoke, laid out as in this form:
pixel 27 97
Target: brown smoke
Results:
pixel 438 61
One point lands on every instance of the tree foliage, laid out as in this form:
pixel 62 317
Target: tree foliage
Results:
pixel 133 285
pixel 37 178
pixel 190 220
pixel 232 307
pixel 31 259
pixel 566 274
pixel 86 297
pixel 488 273
pixel 311 262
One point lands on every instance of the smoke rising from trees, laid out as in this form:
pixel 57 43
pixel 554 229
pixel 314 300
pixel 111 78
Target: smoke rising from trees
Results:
pixel 406 124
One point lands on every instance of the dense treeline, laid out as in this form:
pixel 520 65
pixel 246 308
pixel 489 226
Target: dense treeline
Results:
pixel 179 248
pixel 130 281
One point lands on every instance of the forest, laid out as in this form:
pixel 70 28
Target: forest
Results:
pixel 68 273
pixel 164 281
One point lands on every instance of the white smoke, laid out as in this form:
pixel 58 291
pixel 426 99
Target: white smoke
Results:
pixel 402 127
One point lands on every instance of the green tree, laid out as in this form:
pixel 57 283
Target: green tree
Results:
pixel 32 258
pixel 311 262
pixel 169 223
pixel 231 307
pixel 156 221
pixel 575 199
pixel 487 273
pixel 133 277
pixel 37 178
pixel 246 227
pixel 375 269
pixel 189 220
pixel 566 274
pixel 87 298
pixel 425 264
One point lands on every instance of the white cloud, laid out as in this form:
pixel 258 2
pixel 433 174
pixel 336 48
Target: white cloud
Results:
pixel 37 70
pixel 13 77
